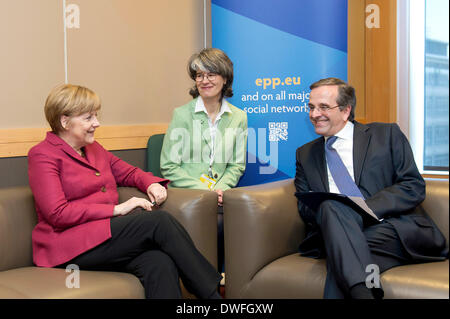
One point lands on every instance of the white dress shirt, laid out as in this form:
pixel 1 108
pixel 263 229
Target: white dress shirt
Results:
pixel 200 107
pixel 344 147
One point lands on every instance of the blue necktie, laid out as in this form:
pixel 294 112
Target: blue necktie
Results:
pixel 341 177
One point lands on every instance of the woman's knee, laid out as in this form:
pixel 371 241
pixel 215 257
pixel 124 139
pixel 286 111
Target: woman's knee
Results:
pixel 162 215
pixel 158 273
pixel 155 263
pixel 162 261
pixel 155 217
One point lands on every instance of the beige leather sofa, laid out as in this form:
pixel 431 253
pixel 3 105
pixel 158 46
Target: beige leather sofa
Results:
pixel 195 209
pixel 263 230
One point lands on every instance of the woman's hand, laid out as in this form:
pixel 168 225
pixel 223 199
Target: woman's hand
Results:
pixel 129 205
pixel 220 196
pixel 157 193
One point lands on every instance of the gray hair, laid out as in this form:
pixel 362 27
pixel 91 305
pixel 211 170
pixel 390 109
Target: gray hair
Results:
pixel 215 61
pixel 346 94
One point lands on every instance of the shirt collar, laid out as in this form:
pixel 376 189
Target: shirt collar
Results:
pixel 346 133
pixel 200 106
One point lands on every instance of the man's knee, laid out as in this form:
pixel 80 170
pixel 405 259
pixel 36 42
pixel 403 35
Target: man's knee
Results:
pixel 330 210
pixel 327 210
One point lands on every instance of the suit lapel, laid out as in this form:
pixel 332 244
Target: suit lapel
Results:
pixel 202 118
pixel 318 158
pixel 66 148
pixel 72 153
pixel 224 123
pixel 361 140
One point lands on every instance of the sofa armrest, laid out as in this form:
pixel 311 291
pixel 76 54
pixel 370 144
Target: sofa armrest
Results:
pixel 195 209
pixel 261 224
pixel 436 203
pixel 17 220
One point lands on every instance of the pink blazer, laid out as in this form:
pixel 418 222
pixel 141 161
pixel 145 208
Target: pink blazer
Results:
pixel 75 197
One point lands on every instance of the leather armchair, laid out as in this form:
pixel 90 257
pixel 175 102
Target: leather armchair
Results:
pixel 19 278
pixel 263 230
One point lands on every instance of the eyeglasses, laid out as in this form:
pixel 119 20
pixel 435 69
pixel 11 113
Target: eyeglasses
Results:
pixel 210 76
pixel 322 108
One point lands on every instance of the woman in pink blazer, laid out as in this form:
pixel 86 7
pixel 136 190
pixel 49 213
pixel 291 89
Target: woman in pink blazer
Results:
pixel 74 182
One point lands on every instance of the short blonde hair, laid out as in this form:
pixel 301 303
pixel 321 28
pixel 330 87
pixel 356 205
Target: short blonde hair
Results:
pixel 69 100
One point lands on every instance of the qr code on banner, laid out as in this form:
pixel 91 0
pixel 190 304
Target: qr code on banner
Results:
pixel 278 131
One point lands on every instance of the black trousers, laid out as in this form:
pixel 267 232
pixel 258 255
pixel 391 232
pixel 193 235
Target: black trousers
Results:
pixel 220 240
pixel 156 248
pixel 352 246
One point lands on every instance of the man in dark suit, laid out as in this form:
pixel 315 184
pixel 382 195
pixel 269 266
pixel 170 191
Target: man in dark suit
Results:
pixel 372 161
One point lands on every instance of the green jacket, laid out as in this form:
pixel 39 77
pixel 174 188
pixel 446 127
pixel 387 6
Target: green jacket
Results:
pixel 185 154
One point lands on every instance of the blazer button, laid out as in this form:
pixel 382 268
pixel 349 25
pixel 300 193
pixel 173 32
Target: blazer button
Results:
pixel 103 189
pixel 97 173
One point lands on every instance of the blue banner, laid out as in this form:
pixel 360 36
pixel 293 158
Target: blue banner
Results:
pixel 278 48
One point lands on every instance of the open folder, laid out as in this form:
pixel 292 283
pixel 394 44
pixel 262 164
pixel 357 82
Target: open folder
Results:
pixel 314 199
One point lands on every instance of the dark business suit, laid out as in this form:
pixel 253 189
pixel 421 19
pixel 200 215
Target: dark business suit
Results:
pixel 387 176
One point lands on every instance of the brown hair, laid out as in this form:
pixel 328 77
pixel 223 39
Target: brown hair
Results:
pixel 215 61
pixel 346 94
pixel 69 100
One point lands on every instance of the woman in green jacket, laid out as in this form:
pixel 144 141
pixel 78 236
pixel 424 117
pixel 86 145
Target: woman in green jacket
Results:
pixel 206 142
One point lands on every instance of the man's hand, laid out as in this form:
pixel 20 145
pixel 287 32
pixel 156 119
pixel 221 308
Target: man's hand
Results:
pixel 157 193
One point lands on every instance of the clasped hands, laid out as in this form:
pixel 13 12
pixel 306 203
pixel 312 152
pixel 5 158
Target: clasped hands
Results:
pixel 157 194
pixel 219 196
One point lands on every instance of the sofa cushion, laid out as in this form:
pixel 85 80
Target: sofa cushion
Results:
pixel 8 293
pixel 37 283
pixel 280 279
pixel 418 281
pixel 436 204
